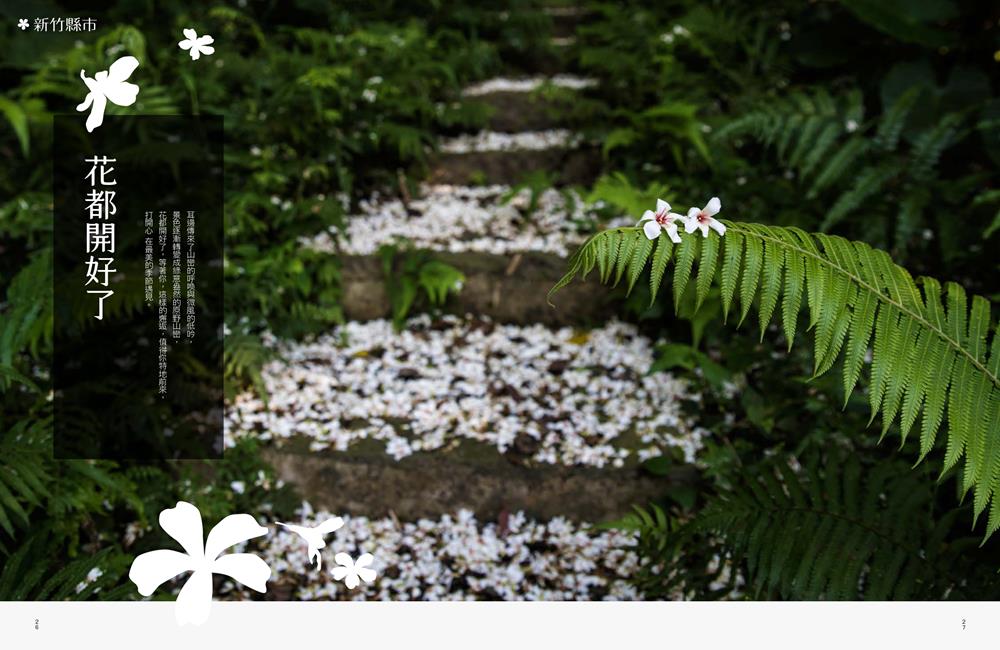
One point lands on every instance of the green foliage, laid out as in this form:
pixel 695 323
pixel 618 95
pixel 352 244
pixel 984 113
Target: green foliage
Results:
pixel 18 120
pixel 891 141
pixel 321 106
pixel 27 324
pixel 368 92
pixel 244 356
pixel 907 21
pixel 831 529
pixel 66 495
pixel 929 358
pixel 34 573
pixel 616 190
pixel 408 271
pixel 852 165
pixel 885 141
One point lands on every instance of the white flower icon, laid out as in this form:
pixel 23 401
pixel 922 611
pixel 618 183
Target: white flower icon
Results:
pixel 23 24
pixel 197 44
pixel 350 571
pixel 183 523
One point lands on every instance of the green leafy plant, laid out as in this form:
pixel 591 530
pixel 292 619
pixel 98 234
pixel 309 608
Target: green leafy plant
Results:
pixel 888 165
pixel 830 529
pixel 617 190
pixel 407 272
pixel 929 359
pixel 33 573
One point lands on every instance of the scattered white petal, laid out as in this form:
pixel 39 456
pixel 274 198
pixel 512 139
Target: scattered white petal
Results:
pixel 528 84
pixel 525 141
pixel 457 557
pixel 461 219
pixel 579 395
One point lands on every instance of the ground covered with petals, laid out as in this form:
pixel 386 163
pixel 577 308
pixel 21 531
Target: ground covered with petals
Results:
pixel 551 396
pixel 489 219
pixel 457 557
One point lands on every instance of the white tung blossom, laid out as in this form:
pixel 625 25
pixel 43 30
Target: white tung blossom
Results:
pixel 663 219
pixel 702 219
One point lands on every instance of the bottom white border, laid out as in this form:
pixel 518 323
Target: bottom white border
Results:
pixel 507 626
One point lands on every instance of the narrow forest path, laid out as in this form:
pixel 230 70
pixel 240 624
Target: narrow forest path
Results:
pixel 474 453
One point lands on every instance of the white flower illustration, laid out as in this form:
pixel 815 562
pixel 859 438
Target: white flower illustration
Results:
pixel 663 219
pixel 702 219
pixel 183 523
pixel 350 571
pixel 313 535
pixel 108 85
pixel 23 24
pixel 197 44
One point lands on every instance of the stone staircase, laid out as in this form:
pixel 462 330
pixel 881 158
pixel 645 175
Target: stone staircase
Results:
pixel 469 413
pixel 474 452
pixel 510 254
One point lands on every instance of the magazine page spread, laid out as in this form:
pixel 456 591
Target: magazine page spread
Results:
pixel 586 322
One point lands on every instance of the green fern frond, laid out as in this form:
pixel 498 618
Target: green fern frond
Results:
pixel 835 532
pixel 891 125
pixel 857 297
pixel 869 182
pixel 821 141
pixel 32 572
pixel 244 355
pixel 24 472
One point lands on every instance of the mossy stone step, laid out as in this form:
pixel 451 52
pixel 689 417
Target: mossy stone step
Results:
pixel 365 481
pixel 514 112
pixel 507 288
pixel 577 166
pixel 566 19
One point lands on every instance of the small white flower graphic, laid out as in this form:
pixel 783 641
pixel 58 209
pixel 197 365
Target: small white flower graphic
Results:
pixel 663 219
pixel 197 44
pixel 23 24
pixel 350 571
pixel 702 219
pixel 202 558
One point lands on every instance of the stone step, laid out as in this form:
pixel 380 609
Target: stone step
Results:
pixel 564 41
pixel 528 84
pixel 528 103
pixel 579 165
pixel 549 58
pixel 511 246
pixel 508 288
pixel 485 219
pixel 465 413
pixel 566 20
pixel 469 476
pixel 454 556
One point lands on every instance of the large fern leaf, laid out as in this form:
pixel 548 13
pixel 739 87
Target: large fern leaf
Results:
pixel 933 359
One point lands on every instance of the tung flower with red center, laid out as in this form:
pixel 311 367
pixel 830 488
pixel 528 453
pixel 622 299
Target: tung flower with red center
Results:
pixel 663 219
pixel 703 219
